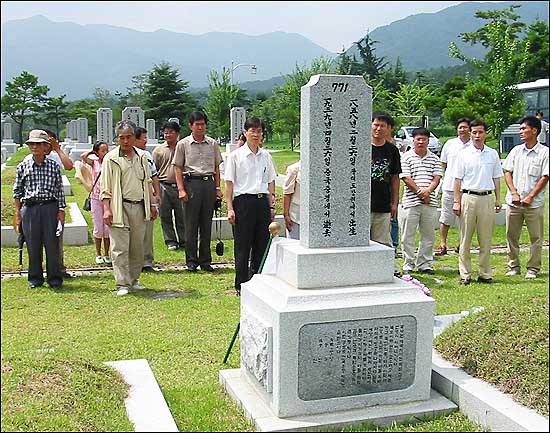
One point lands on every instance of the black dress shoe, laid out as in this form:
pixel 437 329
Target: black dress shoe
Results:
pixel 147 269
pixel 55 286
pixel 65 274
pixel 465 281
pixel 207 268
pixel 484 280
pixel 35 285
pixel 427 271
pixel 192 267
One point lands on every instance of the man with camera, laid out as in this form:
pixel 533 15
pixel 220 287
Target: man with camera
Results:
pixel 197 168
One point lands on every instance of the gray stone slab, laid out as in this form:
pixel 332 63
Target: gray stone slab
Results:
pixel 145 404
pixel 134 114
pixel 265 419
pixel 75 233
pixel 307 268
pixel 237 117
pixel 66 185
pixel 105 125
pixel 336 161
pixel 481 402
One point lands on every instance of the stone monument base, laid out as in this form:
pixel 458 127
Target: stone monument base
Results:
pixel 255 409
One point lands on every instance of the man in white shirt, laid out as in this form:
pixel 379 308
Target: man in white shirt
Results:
pixel 421 173
pixel 526 174
pixel 448 162
pixel 250 192
pixel 477 176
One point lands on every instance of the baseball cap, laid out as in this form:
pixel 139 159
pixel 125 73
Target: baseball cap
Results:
pixel 38 136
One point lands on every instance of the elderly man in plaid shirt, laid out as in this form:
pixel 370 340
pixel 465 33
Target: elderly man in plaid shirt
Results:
pixel 39 208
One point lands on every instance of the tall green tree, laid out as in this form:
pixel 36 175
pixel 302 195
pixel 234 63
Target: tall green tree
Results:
pixel 54 112
pixel 166 95
pixel 502 70
pixel 371 66
pixel 410 100
pixel 286 100
pixel 23 99
pixel 222 95
pixel 536 39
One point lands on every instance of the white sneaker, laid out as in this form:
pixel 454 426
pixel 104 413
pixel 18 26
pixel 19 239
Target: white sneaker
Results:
pixel 137 287
pixel 512 272
pixel 107 260
pixel 99 260
pixel 530 274
pixel 122 291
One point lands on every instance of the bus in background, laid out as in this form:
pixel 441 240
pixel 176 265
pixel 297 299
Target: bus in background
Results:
pixel 535 95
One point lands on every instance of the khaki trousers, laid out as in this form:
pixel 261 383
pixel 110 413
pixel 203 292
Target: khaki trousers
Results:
pixel 534 220
pixel 380 228
pixel 478 214
pixel 127 245
pixel 423 217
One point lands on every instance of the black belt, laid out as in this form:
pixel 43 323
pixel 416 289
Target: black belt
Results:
pixel 175 185
pixel 260 195
pixel 132 201
pixel 29 203
pixel 207 177
pixel 467 191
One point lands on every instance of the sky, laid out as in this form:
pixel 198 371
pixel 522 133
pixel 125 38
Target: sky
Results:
pixel 330 24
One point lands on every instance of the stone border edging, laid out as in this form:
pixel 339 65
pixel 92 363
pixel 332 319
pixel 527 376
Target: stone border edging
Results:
pixel 145 405
pixel 481 402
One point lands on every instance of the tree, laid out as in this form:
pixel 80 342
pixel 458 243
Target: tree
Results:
pixel 166 95
pixel 371 66
pixel 136 91
pixel 54 112
pixel 87 109
pixel 222 95
pixel 286 100
pixel 410 100
pixel 536 40
pixel 23 99
pixel 502 70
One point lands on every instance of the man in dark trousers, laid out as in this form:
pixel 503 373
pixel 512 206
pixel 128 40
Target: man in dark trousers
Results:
pixel 197 168
pixel 250 193
pixel 40 209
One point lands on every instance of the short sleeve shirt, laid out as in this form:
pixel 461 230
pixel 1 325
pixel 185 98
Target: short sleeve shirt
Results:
pixel 477 168
pixel 422 170
pixel 449 156
pixel 385 163
pixel 527 167
pixel 197 159
pixel 250 173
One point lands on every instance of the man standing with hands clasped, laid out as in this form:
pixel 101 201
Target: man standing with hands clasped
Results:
pixel 526 174
pixel 250 194
pixel 197 161
pixel 477 176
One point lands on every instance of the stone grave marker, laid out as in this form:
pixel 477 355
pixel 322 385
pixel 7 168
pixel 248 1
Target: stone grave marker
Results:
pixel 82 130
pixel 135 114
pixel 330 331
pixel 7 138
pixel 150 125
pixel 105 125
pixel 237 117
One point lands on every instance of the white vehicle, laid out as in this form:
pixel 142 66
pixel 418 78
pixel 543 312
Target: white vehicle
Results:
pixel 404 140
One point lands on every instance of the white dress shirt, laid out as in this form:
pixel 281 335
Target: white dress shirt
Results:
pixel 449 156
pixel 250 173
pixel 477 168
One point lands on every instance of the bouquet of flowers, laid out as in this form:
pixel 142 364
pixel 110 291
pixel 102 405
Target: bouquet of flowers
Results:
pixel 417 283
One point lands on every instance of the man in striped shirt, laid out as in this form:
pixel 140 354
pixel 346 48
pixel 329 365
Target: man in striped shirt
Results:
pixel 421 173
pixel 39 208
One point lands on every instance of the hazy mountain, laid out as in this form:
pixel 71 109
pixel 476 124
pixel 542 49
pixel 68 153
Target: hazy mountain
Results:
pixel 422 41
pixel 74 59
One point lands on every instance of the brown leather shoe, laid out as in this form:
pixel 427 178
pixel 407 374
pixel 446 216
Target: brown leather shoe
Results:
pixel 441 251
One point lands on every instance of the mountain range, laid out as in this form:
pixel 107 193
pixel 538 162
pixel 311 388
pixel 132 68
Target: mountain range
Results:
pixel 74 59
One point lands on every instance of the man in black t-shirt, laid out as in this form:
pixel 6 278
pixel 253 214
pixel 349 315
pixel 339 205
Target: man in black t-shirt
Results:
pixel 385 169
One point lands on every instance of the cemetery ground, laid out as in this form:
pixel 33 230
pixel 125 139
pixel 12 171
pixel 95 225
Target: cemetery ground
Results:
pixel 54 342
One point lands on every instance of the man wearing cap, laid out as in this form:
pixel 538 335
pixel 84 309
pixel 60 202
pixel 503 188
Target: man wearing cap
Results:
pixel 197 168
pixel 39 209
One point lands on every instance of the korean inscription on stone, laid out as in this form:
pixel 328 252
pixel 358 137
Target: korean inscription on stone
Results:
pixel 356 357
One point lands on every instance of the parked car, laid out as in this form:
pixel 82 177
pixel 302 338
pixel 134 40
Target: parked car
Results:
pixel 404 140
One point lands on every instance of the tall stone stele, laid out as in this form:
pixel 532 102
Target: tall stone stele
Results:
pixel 105 125
pixel 150 125
pixel 135 114
pixel 331 330
pixel 237 117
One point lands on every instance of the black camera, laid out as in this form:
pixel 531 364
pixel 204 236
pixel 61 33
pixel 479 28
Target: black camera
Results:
pixel 218 204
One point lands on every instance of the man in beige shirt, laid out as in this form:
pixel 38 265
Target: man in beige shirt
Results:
pixel 526 174
pixel 126 195
pixel 171 207
pixel 197 170
pixel 291 200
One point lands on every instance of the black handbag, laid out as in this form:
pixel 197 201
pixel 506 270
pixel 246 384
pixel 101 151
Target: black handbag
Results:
pixel 88 202
pixel 219 244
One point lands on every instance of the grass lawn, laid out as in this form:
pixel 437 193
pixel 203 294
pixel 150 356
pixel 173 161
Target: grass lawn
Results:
pixel 54 343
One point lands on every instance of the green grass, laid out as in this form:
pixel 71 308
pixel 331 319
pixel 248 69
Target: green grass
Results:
pixel 283 159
